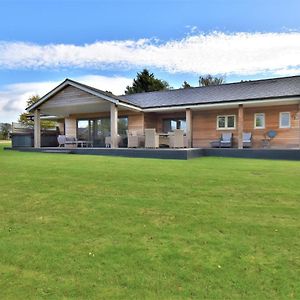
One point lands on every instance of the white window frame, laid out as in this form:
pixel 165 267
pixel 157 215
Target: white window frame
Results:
pixel 280 114
pixel 264 123
pixel 226 122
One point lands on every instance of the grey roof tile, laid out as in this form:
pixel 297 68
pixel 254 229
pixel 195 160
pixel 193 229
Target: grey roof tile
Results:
pixel 240 91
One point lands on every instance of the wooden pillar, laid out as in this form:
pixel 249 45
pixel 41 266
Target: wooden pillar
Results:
pixel 37 129
pixel 114 125
pixel 240 126
pixel 189 134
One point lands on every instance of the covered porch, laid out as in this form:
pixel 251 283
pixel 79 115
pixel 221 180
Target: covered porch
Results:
pixel 86 115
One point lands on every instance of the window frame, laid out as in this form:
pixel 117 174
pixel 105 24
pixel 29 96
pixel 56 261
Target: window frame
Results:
pixel 280 124
pixel 264 123
pixel 226 122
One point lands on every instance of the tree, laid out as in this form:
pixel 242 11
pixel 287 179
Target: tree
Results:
pixel 146 82
pixel 26 120
pixel 186 85
pixel 4 131
pixel 210 80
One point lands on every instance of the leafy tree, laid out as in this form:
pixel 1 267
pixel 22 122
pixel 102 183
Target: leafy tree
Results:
pixel 210 80
pixel 186 85
pixel 4 131
pixel 26 120
pixel 146 82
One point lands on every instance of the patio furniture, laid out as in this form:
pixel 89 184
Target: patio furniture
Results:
pixel 247 139
pixel 269 136
pixel 226 140
pixel 108 141
pixel 151 138
pixel 84 143
pixel 64 140
pixel 164 141
pixel 61 139
pixel 176 139
pixel 215 144
pixel 134 140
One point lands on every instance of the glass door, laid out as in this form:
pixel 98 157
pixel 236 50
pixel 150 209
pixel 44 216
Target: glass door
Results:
pixel 96 130
pixel 100 130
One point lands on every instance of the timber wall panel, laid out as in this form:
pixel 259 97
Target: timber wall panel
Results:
pixel 205 126
pixel 136 123
pixel 70 96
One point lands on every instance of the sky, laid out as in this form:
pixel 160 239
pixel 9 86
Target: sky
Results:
pixel 104 43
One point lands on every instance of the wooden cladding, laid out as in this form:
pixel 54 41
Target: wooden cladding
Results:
pixel 205 128
pixel 70 96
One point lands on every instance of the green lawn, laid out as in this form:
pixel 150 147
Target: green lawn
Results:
pixel 92 227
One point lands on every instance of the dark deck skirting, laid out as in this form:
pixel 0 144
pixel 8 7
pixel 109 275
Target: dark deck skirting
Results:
pixel 183 154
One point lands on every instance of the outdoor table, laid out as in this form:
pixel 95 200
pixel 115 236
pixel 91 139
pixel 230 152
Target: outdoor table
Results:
pixel 163 139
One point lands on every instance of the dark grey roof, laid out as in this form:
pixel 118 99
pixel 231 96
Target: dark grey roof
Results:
pixel 239 91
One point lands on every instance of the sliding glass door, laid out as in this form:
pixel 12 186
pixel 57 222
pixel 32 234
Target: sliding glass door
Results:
pixel 97 129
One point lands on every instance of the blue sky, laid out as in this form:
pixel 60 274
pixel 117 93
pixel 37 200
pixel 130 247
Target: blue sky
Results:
pixel 104 43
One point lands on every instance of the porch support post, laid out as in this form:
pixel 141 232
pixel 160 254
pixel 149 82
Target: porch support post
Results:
pixel 188 120
pixel 114 125
pixel 37 129
pixel 240 126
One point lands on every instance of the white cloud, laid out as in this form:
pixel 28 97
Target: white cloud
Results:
pixel 216 53
pixel 13 97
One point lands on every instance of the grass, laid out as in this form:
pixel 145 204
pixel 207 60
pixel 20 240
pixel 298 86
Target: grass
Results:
pixel 92 227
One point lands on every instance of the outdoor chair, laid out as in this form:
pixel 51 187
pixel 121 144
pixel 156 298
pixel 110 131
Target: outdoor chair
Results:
pixel 247 139
pixel 226 140
pixel 108 141
pixel 61 139
pixel 151 138
pixel 176 139
pixel 134 140
pixel 268 137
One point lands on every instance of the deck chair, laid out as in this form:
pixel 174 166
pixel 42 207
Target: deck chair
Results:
pixel 151 138
pixel 226 140
pixel 247 139
pixel 61 139
pixel 176 140
pixel 134 140
pixel 108 141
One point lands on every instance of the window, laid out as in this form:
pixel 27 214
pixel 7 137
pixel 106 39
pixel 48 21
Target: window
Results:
pixel 259 121
pixel 170 125
pixel 226 122
pixel 285 120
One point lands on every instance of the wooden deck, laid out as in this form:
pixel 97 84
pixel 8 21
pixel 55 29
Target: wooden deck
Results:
pixel 165 153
